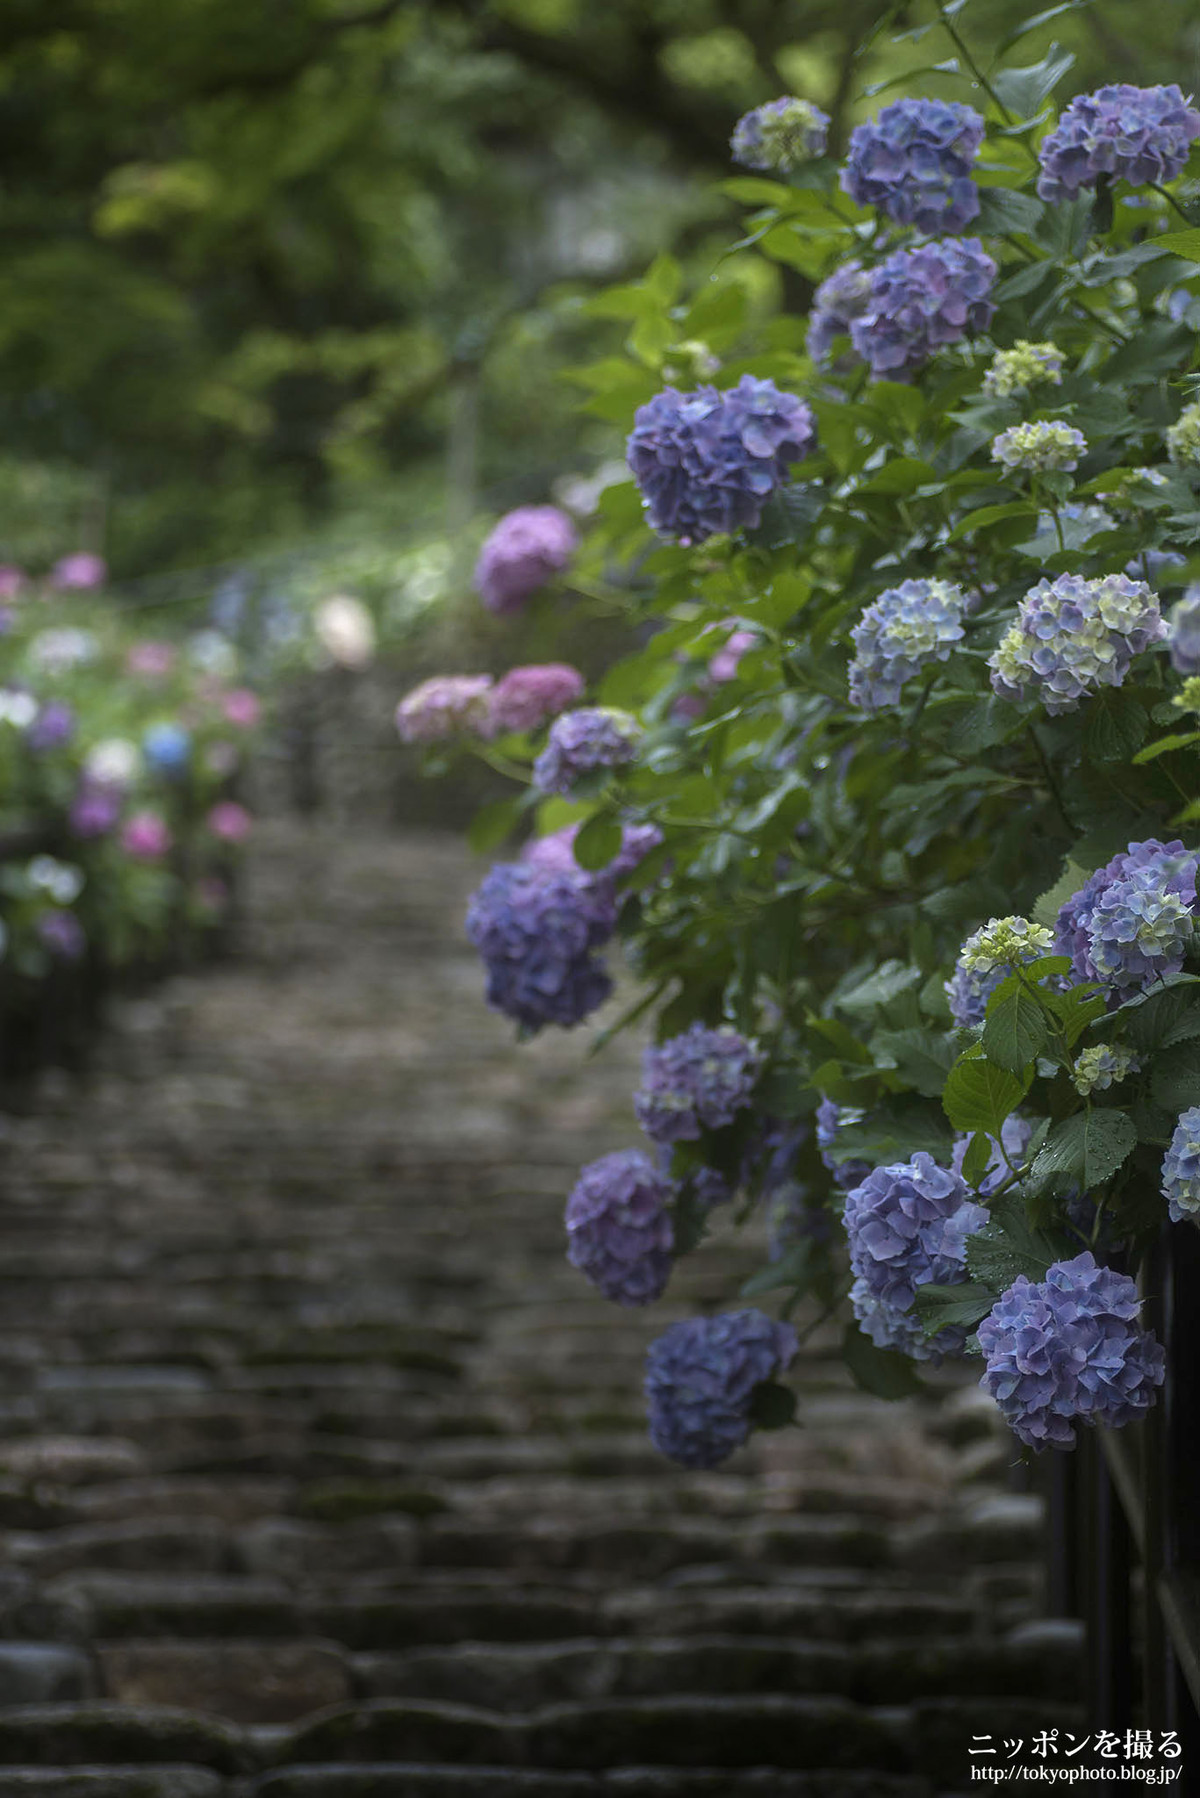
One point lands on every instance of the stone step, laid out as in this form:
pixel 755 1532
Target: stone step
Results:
pixel 95 1733
pixel 114 1782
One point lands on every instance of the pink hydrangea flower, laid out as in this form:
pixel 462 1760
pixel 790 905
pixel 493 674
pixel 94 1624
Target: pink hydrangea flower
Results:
pixel 724 665
pixel 527 548
pixel 12 580
pixel 242 707
pixel 80 571
pixel 145 836
pixel 153 660
pixel 445 706
pixel 525 697
pixel 230 822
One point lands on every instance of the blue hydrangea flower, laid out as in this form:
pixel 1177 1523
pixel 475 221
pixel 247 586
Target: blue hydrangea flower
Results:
pixel 1101 1066
pixel 793 1213
pixel 904 630
pixel 1183 632
pixel 780 135
pixel 538 931
pixel 838 301
pixel 1134 134
pixel 1181 1168
pixel 591 736
pixel 167 748
pixel 708 461
pixel 1067 1350
pixel 914 163
pixel 700 1381
pixel 831 1118
pixel 1133 920
pixel 619 1231
pixel 921 299
pixel 1073 636
pixel 698 1080
pixel 907 1225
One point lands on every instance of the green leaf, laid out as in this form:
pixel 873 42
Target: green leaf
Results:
pixel 1001 211
pixel 1036 22
pixel 493 824
pixel 1009 1246
pixel 792 1269
pixel 1175 1082
pixel 1047 908
pixel 1185 244
pixel 1076 1009
pixel 1115 726
pixel 881 1371
pixel 923 1057
pixel 1086 1149
pixel 1180 739
pixel 983 517
pixel 964 1304
pixel 1015 1029
pixel 981 726
pixel 887 982
pixel 979 1095
pixel 1165 1018
pixel 978 1157
pixel 1023 90
pixel 772 1406
pixel 598 842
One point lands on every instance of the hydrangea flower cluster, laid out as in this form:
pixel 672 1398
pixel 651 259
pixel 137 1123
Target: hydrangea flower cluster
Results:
pixel 707 461
pixel 907 1225
pixel 619 1231
pixel 700 1381
pixel 914 163
pixel 1133 920
pixel 555 853
pixel 901 632
pixel 538 931
pixel 53 726
pixel 1135 134
pixel 987 957
pixel 832 1117
pixel 526 697
pixel 1039 447
pixel 1101 1066
pixel 838 301
pixel 593 736
pixel 1188 697
pixel 780 135
pixel 1181 1168
pixel 1183 438
pixel 526 549
pixel 1073 636
pixel 1025 365
pixel 1068 1349
pixel 921 299
pixel 698 1080
pixel 1183 632
pixel 449 705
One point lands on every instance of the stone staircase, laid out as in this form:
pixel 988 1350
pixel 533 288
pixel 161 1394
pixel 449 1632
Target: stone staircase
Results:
pixel 322 1475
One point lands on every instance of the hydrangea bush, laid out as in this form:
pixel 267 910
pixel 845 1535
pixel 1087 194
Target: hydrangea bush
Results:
pixel 916 926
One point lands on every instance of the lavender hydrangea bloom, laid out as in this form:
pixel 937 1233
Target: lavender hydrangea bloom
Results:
pixel 901 632
pixel 1133 920
pixel 1135 134
pixel 908 1225
pixel 700 1381
pixel 95 810
pixel 921 299
pixel 1183 632
pixel 707 461
pixel 832 1117
pixel 697 1080
pixel 914 163
pixel 1068 1349
pixel 1073 636
pixel 445 706
pixel 526 549
pixel 537 931
pixel 979 969
pixel 53 726
pixel 526 697
pixel 838 301
pixel 591 736
pixel 619 1231
pixel 62 933
pixel 780 135
pixel 1181 1169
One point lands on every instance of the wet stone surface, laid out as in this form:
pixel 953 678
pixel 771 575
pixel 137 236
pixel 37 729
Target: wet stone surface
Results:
pixel 322 1475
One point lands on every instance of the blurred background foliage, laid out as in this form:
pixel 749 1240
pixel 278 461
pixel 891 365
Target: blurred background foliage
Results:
pixel 286 273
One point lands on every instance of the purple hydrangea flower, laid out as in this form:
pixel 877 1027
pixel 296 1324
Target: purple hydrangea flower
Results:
pixel 53 726
pixel 1132 921
pixel 526 697
pixel 81 572
pixel 1183 632
pixel 95 810
pixel 525 550
pixel 62 933
pixel 914 163
pixel 1134 134
pixel 904 630
pixel 838 301
pixel 445 706
pixel 619 1231
pixel 556 852
pixel 921 299
pixel 707 461
pixel 1073 636
pixel 1181 1168
pixel 698 1080
pixel 700 1381
pixel 908 1225
pixel 780 135
pixel 1068 1349
pixel 538 931
pixel 591 736
pixel 831 1118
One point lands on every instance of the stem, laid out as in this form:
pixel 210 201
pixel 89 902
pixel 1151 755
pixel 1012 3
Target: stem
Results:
pixel 1047 772
pixel 1171 201
pixel 961 46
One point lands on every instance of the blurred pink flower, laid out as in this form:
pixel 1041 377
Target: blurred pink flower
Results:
pixel 525 697
pixel 212 894
pixel 445 706
pixel 12 580
pixel 242 707
pixel 724 665
pixel 151 659
pixel 145 836
pixel 230 821
pixel 80 571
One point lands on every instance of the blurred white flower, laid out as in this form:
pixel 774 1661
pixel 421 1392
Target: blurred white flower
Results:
pixel 212 653
pixel 61 880
pixel 66 647
pixel 580 493
pixel 345 630
pixel 19 709
pixel 113 763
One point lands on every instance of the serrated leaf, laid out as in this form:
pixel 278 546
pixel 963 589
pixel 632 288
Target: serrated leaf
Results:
pixel 1001 211
pixel 1086 1149
pixel 1046 909
pixel 880 1371
pixel 923 1057
pixel 1175 1081
pixel 964 1304
pixel 1009 1245
pixel 981 726
pixel 1076 1009
pixel 1115 727
pixel 978 1157
pixel 1015 1029
pixel 1185 244
pixel 597 843
pixel 979 1095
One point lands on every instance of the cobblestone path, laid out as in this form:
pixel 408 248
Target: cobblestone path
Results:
pixel 322 1475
